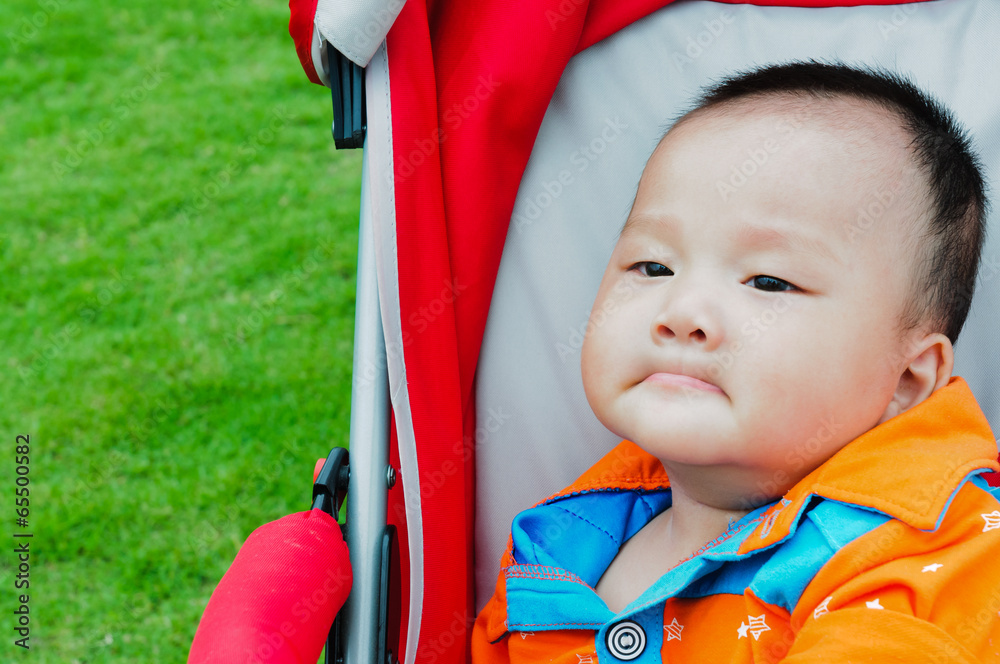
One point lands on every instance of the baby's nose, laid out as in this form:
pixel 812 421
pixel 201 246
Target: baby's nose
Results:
pixel 681 330
pixel 689 317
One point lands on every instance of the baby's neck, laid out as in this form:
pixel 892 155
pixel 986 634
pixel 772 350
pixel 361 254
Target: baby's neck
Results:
pixel 693 523
pixel 670 538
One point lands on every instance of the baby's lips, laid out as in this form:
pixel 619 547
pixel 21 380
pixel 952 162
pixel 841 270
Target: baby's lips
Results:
pixel 683 380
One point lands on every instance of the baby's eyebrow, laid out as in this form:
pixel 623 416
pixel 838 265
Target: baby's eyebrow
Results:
pixel 638 222
pixel 763 237
pixel 746 235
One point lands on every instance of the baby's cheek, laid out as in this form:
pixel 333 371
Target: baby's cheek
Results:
pixel 598 382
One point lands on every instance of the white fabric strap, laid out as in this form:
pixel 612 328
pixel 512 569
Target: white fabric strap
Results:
pixel 355 28
pixel 382 201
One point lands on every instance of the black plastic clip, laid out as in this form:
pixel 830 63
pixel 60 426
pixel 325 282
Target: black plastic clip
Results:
pixel 347 83
pixel 330 487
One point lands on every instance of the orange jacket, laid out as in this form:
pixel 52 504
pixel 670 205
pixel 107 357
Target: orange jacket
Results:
pixel 888 552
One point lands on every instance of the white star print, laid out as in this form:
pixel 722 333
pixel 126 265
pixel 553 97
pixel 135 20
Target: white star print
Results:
pixel 756 627
pixel 992 520
pixel 585 659
pixel 673 630
pixel 874 604
pixel 525 635
pixel 822 609
pixel 932 568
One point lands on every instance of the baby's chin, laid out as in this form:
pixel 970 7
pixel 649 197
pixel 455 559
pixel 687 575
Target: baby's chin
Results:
pixel 725 482
pixel 689 445
pixel 674 424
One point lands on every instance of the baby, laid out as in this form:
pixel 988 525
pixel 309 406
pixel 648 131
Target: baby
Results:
pixel 800 476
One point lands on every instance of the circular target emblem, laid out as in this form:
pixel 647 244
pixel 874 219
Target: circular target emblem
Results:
pixel 626 640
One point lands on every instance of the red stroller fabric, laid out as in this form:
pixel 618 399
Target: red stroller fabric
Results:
pixel 300 26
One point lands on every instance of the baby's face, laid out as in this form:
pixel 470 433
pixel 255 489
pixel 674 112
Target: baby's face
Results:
pixel 747 319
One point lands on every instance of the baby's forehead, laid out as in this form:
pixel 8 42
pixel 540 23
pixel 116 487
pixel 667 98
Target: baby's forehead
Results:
pixel 856 121
pixel 875 140
pixel 837 154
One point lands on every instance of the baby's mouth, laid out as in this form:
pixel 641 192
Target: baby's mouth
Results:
pixel 682 381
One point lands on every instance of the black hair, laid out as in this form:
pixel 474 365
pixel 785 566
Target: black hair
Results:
pixel 945 277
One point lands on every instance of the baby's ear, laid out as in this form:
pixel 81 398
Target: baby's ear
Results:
pixel 931 360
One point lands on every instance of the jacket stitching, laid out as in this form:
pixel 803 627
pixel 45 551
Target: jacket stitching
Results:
pixel 591 523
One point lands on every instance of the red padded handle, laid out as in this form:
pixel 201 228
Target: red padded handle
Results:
pixel 277 601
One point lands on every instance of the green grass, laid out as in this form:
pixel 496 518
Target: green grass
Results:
pixel 177 252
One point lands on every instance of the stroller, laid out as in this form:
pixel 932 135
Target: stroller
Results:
pixel 487 134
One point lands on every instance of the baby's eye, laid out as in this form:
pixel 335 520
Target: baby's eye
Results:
pixel 771 284
pixel 651 269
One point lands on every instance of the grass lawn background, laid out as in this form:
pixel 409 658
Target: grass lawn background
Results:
pixel 177 255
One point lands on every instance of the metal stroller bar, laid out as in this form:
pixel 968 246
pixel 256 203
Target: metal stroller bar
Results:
pixel 369 450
